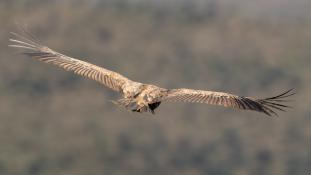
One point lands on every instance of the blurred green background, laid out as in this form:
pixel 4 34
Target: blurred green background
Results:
pixel 54 122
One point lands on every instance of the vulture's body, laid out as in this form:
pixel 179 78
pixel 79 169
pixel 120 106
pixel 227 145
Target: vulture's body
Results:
pixel 139 97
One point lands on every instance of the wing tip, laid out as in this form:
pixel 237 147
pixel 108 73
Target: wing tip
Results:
pixel 276 103
pixel 24 39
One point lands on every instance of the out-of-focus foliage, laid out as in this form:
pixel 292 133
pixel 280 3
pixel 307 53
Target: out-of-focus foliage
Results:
pixel 53 122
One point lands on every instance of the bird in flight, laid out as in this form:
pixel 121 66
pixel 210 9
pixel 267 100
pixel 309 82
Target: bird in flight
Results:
pixel 140 97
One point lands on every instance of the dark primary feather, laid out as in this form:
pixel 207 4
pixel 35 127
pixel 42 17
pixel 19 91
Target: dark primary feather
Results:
pixel 266 105
pixel 42 53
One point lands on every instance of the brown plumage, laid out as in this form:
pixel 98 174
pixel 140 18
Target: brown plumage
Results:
pixel 140 97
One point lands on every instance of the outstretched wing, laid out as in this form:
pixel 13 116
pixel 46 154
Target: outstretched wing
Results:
pixel 42 53
pixel 266 105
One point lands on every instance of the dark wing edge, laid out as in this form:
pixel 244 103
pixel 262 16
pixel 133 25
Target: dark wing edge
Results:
pixel 32 47
pixel 269 106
